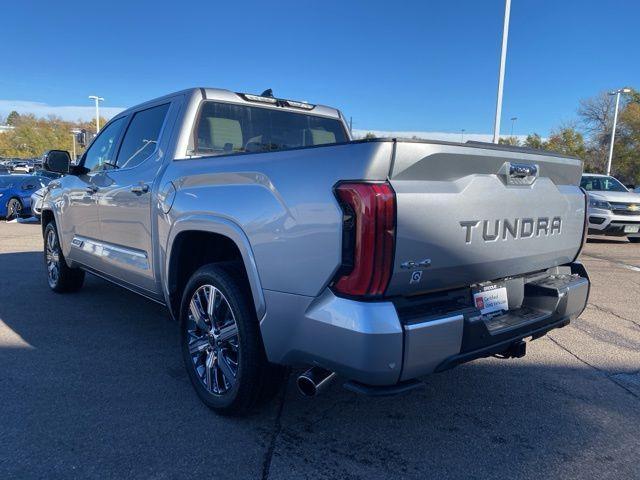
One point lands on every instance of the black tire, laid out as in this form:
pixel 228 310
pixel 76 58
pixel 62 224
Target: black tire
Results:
pixel 254 380
pixel 634 239
pixel 61 277
pixel 14 208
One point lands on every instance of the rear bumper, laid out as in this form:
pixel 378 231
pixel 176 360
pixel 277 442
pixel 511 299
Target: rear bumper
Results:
pixel 376 343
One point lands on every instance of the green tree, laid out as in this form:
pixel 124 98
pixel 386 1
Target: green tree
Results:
pixel 534 141
pixel 568 141
pixel 369 136
pixel 13 118
pixel 33 136
pixel 509 141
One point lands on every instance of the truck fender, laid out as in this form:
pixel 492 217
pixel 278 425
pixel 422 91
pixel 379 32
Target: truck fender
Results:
pixel 225 227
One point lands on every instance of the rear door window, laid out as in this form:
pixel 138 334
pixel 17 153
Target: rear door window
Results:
pixel 224 128
pixel 141 137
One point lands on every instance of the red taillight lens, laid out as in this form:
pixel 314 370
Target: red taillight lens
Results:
pixel 368 238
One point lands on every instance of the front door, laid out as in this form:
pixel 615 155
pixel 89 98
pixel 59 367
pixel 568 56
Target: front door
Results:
pixel 81 225
pixel 124 200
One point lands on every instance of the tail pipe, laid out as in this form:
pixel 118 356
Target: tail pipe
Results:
pixel 314 380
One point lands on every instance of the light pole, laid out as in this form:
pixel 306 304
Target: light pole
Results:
pixel 513 122
pixel 615 121
pixel 74 132
pixel 503 58
pixel 462 135
pixel 98 100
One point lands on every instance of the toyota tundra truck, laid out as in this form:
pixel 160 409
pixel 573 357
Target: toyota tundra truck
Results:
pixel 276 241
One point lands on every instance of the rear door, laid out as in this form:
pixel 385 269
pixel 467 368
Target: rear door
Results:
pixel 470 214
pixel 125 195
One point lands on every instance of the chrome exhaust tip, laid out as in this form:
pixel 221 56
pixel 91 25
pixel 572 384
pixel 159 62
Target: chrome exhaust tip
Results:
pixel 314 380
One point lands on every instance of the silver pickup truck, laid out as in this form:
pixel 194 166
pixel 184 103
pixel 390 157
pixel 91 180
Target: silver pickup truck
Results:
pixel 275 240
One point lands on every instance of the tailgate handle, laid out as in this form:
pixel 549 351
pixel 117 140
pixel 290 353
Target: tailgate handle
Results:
pixel 522 170
pixel 518 173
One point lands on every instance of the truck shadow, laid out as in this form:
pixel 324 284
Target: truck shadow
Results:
pixel 95 381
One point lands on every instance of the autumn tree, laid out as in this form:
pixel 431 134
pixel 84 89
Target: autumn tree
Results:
pixel 32 136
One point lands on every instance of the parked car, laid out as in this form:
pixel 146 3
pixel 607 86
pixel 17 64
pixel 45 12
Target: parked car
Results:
pixel 276 240
pixel 23 167
pixel 15 194
pixel 613 210
pixel 36 201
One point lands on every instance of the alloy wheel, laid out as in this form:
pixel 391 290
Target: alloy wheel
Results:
pixel 53 258
pixel 14 209
pixel 212 336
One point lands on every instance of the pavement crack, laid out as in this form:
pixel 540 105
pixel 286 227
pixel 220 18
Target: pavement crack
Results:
pixel 627 266
pixel 611 312
pixel 599 370
pixel 277 428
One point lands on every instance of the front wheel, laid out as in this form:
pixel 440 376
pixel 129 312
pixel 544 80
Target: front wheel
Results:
pixel 221 343
pixel 60 276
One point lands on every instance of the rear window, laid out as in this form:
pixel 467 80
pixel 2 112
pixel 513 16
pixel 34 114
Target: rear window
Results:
pixel 224 128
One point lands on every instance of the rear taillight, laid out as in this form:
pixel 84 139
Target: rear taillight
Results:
pixel 369 213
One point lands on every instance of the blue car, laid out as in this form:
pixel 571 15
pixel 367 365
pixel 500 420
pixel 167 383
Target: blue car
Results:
pixel 15 194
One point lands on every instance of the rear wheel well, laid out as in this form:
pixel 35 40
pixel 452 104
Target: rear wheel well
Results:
pixel 193 249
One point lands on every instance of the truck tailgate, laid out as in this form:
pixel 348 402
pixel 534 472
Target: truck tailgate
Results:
pixel 468 214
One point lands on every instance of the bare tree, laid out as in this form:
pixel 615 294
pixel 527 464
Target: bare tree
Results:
pixel 596 113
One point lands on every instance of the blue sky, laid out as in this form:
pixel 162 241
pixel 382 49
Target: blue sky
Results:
pixel 393 65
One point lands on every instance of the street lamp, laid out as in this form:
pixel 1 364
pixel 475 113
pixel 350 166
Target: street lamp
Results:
pixel 503 58
pixel 74 132
pixel 513 122
pixel 97 100
pixel 615 121
pixel 462 135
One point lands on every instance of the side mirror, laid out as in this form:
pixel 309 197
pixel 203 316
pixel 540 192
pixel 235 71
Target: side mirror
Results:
pixel 57 161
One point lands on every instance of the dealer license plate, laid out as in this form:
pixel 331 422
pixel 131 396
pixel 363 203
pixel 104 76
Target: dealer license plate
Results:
pixel 631 228
pixel 491 298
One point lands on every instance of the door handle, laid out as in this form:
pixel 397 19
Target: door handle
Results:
pixel 140 189
pixel 92 189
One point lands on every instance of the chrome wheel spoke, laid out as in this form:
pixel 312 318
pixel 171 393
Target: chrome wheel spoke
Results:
pixel 211 300
pixel 198 346
pixel 228 332
pixel 225 368
pixel 208 370
pixel 197 316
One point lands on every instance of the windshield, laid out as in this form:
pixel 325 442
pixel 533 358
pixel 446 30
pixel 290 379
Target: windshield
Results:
pixel 6 182
pixel 602 184
pixel 224 128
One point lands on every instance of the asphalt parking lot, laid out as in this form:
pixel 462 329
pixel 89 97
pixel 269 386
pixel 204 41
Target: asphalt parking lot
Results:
pixel 92 386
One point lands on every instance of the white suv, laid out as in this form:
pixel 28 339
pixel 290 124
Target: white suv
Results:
pixel 613 210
